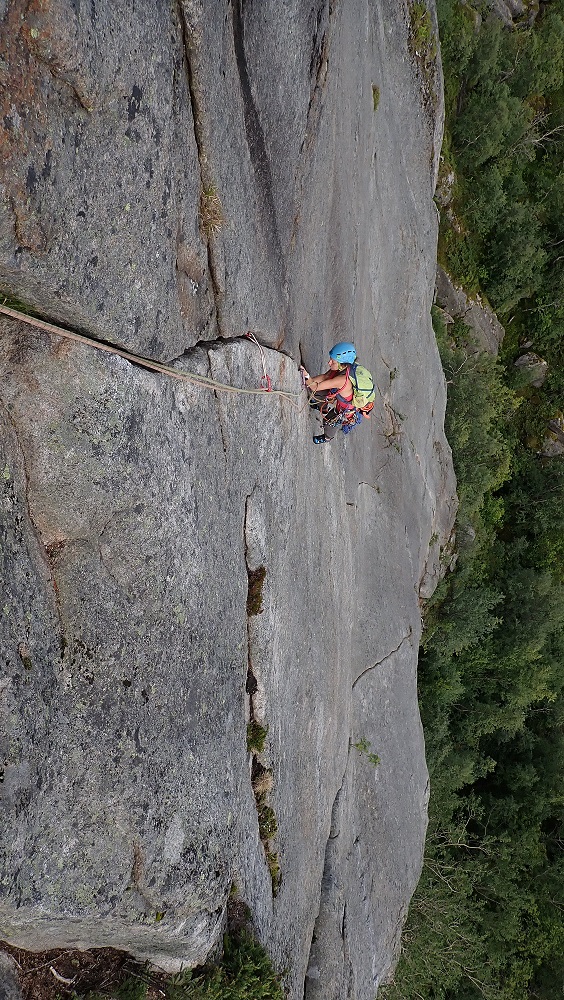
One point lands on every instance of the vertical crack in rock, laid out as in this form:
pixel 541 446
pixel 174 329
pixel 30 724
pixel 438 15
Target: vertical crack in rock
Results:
pixel 257 732
pixel 220 422
pixel 329 937
pixel 220 418
pixel 256 141
pixel 384 658
pixel 47 551
pixel 137 882
pixel 318 68
pixel 190 20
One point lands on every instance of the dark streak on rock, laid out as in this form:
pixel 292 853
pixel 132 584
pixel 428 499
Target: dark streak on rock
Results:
pixel 319 63
pixel 31 179
pixel 255 139
pixel 46 172
pixel 134 102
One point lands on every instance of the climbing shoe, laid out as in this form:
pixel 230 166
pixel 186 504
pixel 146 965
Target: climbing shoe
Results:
pixel 320 439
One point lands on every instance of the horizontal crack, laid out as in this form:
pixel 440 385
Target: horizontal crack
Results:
pixel 383 660
pixel 111 348
pixel 136 359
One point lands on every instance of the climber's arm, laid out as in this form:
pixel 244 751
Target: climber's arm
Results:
pixel 326 381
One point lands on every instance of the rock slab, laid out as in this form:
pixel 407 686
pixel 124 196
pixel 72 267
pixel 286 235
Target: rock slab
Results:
pixel 174 176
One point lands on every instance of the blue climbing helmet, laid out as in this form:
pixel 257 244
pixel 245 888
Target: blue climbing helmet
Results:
pixel 344 353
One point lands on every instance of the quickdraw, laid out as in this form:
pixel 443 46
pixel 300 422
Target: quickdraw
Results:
pixel 265 382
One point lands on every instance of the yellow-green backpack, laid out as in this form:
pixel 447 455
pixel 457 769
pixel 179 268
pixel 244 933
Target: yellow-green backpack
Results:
pixel 364 392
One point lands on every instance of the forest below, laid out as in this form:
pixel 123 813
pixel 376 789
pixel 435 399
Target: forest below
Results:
pixel 487 919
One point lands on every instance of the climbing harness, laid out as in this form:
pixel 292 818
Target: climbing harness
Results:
pixel 353 420
pixel 342 404
pixel 336 413
pixel 200 380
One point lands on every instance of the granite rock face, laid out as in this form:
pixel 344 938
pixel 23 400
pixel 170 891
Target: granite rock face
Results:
pixel 173 176
pixel 478 316
pixel 9 987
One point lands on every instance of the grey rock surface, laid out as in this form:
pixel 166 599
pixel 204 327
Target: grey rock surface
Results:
pixel 477 315
pixel 553 443
pixel 508 10
pixel 9 986
pixel 533 367
pixel 134 506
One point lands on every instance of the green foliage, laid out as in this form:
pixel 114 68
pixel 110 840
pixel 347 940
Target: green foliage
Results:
pixel 131 988
pixel 245 973
pixel 11 302
pixel 505 117
pixel 363 746
pixel 256 737
pixel 484 922
pixel 487 918
pixel 267 821
pixel 422 38
pixel 480 406
pixel 459 255
pixel 515 257
pixel 273 863
pixel 375 96
pixel 262 782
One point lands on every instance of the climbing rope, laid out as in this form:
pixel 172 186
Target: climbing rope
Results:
pixel 201 380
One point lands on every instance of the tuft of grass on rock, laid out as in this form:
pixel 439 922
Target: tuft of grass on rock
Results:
pixel 245 973
pixel 263 783
pixel 268 826
pixel 212 219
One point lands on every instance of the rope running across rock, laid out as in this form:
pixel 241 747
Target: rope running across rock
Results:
pixel 201 380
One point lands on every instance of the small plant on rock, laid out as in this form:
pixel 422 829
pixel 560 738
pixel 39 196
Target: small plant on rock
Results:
pixel 212 219
pixel 263 783
pixel 363 746
pixel 256 736
pixel 268 826
pixel 274 869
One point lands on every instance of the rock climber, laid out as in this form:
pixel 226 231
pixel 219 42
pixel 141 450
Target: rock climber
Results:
pixel 332 392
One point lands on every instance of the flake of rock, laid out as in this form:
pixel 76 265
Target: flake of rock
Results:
pixel 535 367
pixel 479 317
